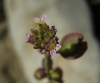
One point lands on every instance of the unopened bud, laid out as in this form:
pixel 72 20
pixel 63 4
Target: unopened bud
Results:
pixel 40 73
pixel 56 74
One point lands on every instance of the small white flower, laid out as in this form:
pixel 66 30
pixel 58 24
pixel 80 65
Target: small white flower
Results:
pixel 29 38
pixel 53 52
pixel 53 47
pixel 58 46
pixel 40 21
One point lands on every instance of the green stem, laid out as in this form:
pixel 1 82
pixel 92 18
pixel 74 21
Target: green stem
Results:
pixel 48 68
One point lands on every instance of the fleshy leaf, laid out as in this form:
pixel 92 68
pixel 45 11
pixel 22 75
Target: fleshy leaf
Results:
pixel 73 46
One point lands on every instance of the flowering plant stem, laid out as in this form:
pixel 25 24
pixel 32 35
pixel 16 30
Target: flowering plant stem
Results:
pixel 48 57
pixel 44 39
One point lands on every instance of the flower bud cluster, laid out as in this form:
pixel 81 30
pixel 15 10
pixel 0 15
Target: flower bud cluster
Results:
pixel 44 37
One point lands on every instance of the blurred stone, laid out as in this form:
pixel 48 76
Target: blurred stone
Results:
pixel 2 13
pixel 10 68
pixel 3 30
